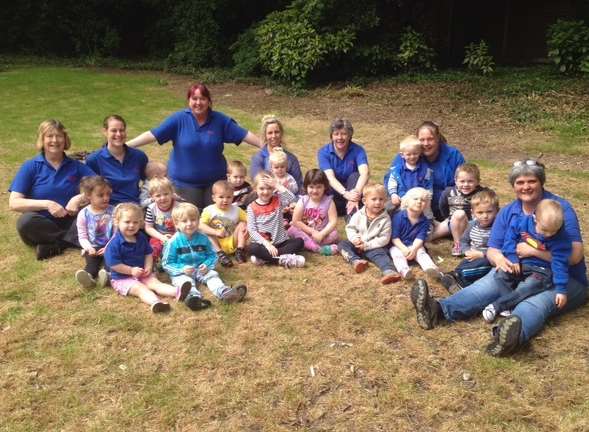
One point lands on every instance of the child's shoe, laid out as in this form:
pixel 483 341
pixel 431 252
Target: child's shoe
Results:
pixel 409 276
pixel 434 275
pixel 183 291
pixel 360 265
pixel 195 302
pixel 103 278
pixel 257 261
pixel 329 250
pixel 85 279
pixel 159 307
pixel 240 255
pixel 489 313
pixel 390 276
pixel 291 260
pixel 224 259
pixel 234 295
pixel 456 249
pixel 506 313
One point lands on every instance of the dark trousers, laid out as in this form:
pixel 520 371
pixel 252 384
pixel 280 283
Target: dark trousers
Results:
pixel 515 288
pixel 200 197
pixel 290 246
pixel 469 271
pixel 93 264
pixel 339 200
pixel 34 229
pixel 379 256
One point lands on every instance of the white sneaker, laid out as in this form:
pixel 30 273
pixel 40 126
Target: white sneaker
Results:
pixel 505 313
pixel 257 261
pixel 291 260
pixel 103 278
pixel 85 279
pixel 489 313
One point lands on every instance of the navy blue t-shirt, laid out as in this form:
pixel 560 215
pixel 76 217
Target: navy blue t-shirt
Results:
pixel 342 168
pixel 120 251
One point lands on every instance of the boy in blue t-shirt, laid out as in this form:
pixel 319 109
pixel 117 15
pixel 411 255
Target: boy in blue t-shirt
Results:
pixel 532 275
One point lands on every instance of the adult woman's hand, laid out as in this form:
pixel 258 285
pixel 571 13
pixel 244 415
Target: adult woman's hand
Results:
pixel 56 209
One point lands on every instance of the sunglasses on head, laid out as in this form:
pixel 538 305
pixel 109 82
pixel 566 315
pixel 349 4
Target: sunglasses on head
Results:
pixel 528 162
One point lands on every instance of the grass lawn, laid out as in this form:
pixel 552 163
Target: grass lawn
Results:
pixel 314 349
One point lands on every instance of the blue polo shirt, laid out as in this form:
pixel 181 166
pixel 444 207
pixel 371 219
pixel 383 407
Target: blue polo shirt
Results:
pixel 37 179
pixel 421 176
pixel 405 231
pixel 444 170
pixel 120 251
pixel 124 177
pixel 196 160
pixel 342 168
pixel 510 214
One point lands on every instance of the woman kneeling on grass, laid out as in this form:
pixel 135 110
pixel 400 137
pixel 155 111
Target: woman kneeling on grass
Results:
pixel 529 317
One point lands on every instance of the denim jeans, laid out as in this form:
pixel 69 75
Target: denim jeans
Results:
pixel 378 256
pixel 471 271
pixel 532 280
pixel 533 311
pixel 211 279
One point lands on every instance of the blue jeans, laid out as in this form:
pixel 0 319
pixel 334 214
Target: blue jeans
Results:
pixel 468 272
pixel 515 288
pixel 379 256
pixel 533 311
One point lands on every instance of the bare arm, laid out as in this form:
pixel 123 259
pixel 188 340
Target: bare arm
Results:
pixel 152 232
pixel 18 203
pixel 253 140
pixel 525 250
pixel 141 140
pixel 297 219
pixel 364 175
pixel 334 183
pixel 332 218
pixel 210 231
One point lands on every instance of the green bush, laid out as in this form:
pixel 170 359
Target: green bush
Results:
pixel 568 46
pixel 245 53
pixel 414 53
pixel 478 59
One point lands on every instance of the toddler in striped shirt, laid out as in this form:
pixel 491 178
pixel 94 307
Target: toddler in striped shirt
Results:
pixel 473 244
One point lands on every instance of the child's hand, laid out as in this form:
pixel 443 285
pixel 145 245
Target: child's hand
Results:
pixel 137 272
pixel 317 236
pixel 203 269
pixel 411 254
pixel 188 270
pixel 516 268
pixel 560 300
pixel 271 249
pixel 221 233
pixel 146 272
pixel 395 200
pixel 91 251
pixel 168 237
pixel 473 254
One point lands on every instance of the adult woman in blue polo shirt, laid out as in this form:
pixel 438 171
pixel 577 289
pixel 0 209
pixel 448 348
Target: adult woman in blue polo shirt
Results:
pixel 529 316
pixel 198 135
pixel 46 190
pixel 122 166
pixel 273 134
pixel 442 158
pixel 345 164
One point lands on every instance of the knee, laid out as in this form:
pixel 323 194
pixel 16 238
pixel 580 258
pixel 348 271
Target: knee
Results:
pixel 459 216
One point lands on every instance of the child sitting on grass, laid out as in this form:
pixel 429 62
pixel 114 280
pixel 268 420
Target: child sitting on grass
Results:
pixel 315 217
pixel 485 206
pixel 531 275
pixel 128 255
pixel 159 224
pixel 278 165
pixel 242 190
pixel 410 230
pixel 189 259
pixel 153 169
pixel 369 232
pixel 225 225
pixel 265 224
pixel 95 228
pixel 455 205
pixel 408 172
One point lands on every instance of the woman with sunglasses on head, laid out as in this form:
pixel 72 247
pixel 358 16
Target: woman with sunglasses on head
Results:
pixel 527 178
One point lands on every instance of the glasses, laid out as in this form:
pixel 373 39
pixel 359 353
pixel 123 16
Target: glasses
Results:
pixel 528 162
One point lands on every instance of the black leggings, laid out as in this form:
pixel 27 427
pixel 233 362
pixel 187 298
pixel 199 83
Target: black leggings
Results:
pixel 93 264
pixel 34 228
pixel 290 246
pixel 200 197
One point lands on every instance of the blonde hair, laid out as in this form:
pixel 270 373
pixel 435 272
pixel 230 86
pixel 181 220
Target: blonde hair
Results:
pixel 222 186
pixel 185 210
pixel 469 168
pixel 278 157
pixel 267 120
pixel 410 142
pixel 261 175
pixel 416 192
pixel 373 188
pixel 123 208
pixel 486 196
pixel 236 165
pixel 160 183
pixel 52 125
pixel 155 166
pixel 550 214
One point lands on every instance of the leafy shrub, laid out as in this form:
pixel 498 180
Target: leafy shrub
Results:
pixel 568 45
pixel 414 53
pixel 245 53
pixel 478 59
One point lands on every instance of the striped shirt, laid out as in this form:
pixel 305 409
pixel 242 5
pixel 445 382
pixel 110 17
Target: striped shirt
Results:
pixel 475 237
pixel 265 221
